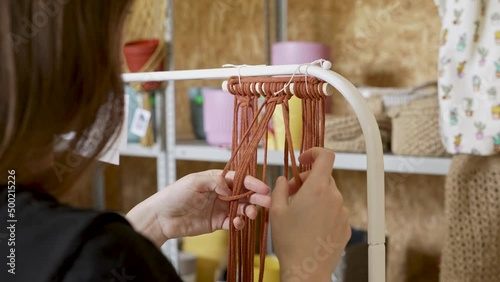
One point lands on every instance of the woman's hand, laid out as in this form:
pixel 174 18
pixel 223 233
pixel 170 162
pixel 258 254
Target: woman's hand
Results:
pixel 309 225
pixel 191 206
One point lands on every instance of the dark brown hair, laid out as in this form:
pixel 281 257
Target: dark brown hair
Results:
pixel 60 73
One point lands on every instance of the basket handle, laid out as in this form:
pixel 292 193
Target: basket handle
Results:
pixel 423 86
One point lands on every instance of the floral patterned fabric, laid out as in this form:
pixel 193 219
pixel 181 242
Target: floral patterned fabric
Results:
pixel 469 76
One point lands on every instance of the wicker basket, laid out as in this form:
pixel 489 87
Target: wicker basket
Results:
pixel 344 134
pixel 398 96
pixel 415 128
pixel 146 21
pixel 415 118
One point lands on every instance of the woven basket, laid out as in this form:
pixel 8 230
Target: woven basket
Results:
pixel 415 128
pixel 398 96
pixel 146 20
pixel 344 134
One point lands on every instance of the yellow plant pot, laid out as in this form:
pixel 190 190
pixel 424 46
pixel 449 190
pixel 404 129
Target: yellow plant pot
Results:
pixel 278 142
pixel 271 270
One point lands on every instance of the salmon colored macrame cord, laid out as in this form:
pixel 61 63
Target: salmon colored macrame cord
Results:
pixel 250 128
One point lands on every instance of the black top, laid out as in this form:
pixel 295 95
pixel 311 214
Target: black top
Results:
pixel 54 242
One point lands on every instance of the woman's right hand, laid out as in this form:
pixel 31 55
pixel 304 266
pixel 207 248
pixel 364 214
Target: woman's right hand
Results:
pixel 309 225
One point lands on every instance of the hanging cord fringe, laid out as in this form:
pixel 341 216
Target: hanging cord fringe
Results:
pixel 250 128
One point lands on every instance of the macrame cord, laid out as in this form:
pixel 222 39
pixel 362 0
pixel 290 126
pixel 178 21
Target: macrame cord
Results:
pixel 250 128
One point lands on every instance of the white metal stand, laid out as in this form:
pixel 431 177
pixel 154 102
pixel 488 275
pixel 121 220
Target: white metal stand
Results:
pixel 374 153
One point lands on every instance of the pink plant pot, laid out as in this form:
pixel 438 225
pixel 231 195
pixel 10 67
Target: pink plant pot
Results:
pixel 300 52
pixel 218 108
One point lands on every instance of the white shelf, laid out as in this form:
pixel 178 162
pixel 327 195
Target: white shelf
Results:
pixel 197 150
pixel 201 151
pixel 137 150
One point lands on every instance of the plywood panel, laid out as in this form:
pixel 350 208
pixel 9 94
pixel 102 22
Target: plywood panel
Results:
pixel 209 34
pixel 390 42
pixel 376 43
pixel 414 220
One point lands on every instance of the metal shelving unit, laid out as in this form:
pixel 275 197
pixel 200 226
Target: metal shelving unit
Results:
pixel 198 150
pixel 168 150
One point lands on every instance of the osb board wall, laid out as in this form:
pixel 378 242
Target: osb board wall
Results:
pixel 374 42
pixel 377 43
pixel 209 34
pixel 414 221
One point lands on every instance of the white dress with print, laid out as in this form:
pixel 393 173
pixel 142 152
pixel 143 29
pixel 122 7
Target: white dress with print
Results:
pixel 469 76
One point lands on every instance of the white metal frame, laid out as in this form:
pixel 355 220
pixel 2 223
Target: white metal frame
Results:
pixel 374 152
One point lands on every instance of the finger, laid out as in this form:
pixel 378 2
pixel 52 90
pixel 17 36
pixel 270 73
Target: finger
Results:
pixel 260 200
pixel 209 181
pixel 257 199
pixel 250 183
pixel 225 224
pixel 230 177
pixel 238 223
pixel 293 184
pixel 219 185
pixel 256 185
pixel 280 194
pixel 321 160
pixel 248 210
pixel 346 231
pixel 210 172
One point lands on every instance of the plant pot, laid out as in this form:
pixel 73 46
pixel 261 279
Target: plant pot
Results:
pixel 137 54
pixel 301 52
pixel 495 112
pixel 218 109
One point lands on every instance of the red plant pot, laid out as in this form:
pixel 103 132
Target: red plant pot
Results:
pixel 137 54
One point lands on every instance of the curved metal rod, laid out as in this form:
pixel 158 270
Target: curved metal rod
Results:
pixel 374 152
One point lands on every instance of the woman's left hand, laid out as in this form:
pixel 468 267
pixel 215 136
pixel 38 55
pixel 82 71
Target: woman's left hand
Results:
pixel 191 206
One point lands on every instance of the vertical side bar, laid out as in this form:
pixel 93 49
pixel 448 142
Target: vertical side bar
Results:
pixel 170 98
pixel 281 20
pixel 161 159
pixel 374 169
pixel 99 188
pixel 267 31
pixel 170 248
pixel 279 24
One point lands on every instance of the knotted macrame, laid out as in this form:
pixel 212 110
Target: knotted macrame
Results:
pixel 250 130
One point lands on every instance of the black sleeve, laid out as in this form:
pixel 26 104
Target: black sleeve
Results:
pixel 117 253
